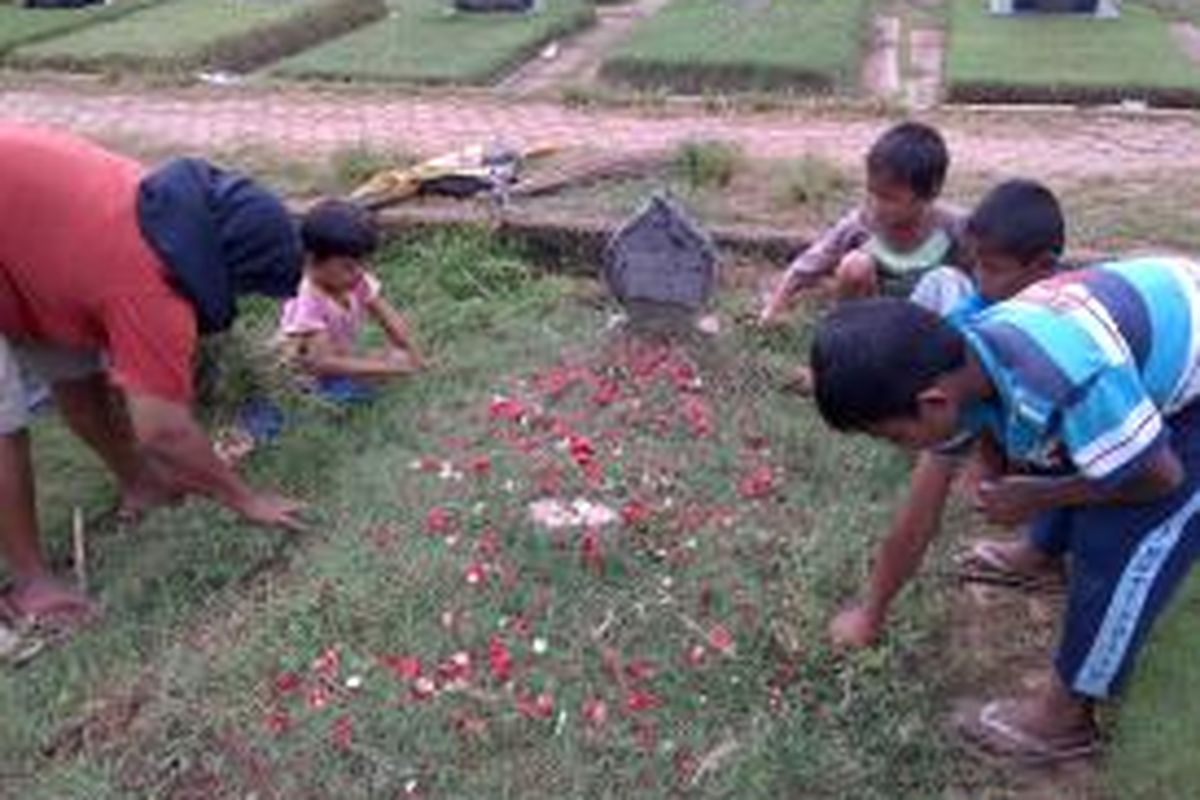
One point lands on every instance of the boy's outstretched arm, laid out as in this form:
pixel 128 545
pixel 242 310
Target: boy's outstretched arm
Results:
pixel 900 553
pixel 818 261
pixel 395 326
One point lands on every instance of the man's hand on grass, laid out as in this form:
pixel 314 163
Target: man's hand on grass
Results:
pixel 855 627
pixel 273 510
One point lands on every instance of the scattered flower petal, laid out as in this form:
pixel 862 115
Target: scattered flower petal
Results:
pixel 328 663
pixel 595 713
pixel 341 732
pixel 758 483
pixel 720 639
pixel 500 659
pixel 277 722
pixel 403 667
pixel 288 682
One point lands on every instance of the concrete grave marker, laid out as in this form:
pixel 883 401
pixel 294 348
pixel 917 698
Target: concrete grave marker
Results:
pixel 661 260
pixel 1095 8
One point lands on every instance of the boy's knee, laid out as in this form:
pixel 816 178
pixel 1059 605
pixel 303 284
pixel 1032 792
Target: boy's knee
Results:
pixel 856 276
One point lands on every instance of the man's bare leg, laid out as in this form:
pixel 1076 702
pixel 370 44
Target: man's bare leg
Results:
pixel 35 592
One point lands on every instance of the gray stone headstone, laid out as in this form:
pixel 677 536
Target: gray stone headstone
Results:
pixel 494 5
pixel 661 257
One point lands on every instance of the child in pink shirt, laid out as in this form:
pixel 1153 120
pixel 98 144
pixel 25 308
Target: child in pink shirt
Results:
pixel 321 325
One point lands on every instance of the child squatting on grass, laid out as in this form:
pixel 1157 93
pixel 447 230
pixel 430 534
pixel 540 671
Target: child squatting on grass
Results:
pixel 899 241
pixel 1016 205
pixel 319 327
pixel 1085 382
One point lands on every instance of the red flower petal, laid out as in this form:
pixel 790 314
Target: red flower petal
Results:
pixel 699 416
pixel 720 639
pixel 403 667
pixel 476 574
pixel 480 464
pixel 456 668
pixel 505 408
pixel 758 483
pixel 318 696
pixel 606 393
pixel 538 706
pixel 277 722
pixel 639 669
pixel 595 712
pixel 696 655
pixel 500 659
pixel 328 663
pixel 288 682
pixel 438 520
pixel 591 550
pixel 641 700
pixel 635 513
pixel 341 732
pixel 423 689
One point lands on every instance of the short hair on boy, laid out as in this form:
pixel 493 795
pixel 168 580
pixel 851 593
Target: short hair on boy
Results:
pixel 339 228
pixel 914 154
pixel 1019 218
pixel 872 358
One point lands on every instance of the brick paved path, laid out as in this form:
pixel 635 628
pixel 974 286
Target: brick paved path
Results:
pixel 309 122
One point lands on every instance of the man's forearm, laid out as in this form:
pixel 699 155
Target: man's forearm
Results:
pixel 186 455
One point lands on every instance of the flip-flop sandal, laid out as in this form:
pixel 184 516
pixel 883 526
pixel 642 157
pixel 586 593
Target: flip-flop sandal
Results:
pixel 989 735
pixel 25 636
pixel 983 563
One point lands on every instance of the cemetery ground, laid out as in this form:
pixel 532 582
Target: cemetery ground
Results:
pixel 430 638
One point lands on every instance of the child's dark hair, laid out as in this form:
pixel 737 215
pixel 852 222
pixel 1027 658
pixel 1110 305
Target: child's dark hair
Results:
pixel 872 358
pixel 914 154
pixel 339 228
pixel 1019 218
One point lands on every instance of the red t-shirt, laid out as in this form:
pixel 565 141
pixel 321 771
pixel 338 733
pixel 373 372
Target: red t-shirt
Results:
pixel 74 268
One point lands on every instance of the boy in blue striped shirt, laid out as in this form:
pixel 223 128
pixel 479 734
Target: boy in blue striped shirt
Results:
pixel 1085 384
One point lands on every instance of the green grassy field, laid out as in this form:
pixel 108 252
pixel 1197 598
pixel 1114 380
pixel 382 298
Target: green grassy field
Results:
pixel 421 43
pixel 1153 755
pixel 716 45
pixel 679 651
pixel 20 26
pixel 192 33
pixel 1067 59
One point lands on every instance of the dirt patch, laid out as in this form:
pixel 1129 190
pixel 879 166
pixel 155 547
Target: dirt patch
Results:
pixel 577 59
pixel 1001 643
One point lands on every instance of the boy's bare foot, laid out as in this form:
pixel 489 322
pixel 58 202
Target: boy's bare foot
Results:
pixel 1016 563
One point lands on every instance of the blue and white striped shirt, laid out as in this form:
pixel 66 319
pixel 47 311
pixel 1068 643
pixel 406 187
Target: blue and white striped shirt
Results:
pixel 1087 364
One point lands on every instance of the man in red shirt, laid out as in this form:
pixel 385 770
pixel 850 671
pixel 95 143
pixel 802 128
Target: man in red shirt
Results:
pixel 108 275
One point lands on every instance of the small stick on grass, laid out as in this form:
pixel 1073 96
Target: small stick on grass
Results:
pixel 80 544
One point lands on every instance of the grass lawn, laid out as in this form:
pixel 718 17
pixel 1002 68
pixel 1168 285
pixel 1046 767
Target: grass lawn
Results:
pixel 420 42
pixel 430 639
pixel 191 33
pixel 1064 59
pixel 20 26
pixel 718 45
pixel 1154 753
